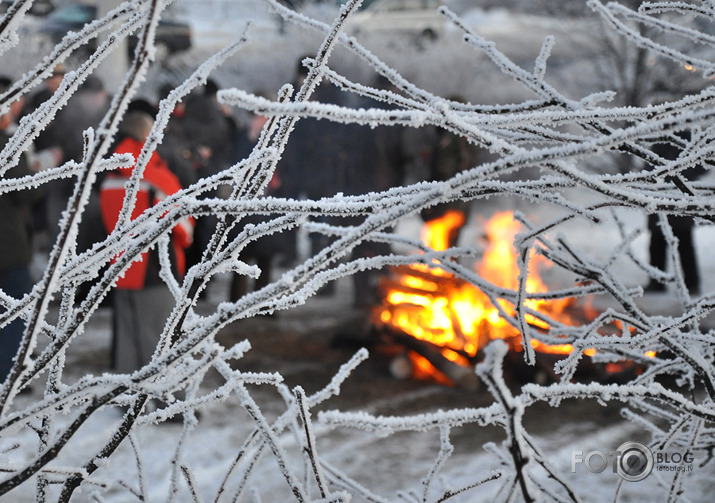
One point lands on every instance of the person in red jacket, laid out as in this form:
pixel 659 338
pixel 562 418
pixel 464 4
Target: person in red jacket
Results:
pixel 142 302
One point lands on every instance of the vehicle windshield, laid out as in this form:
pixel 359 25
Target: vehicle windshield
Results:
pixel 73 14
pixel 363 5
pixel 395 5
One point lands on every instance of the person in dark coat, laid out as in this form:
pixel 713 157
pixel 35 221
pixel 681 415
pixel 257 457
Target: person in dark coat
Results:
pixel 48 139
pixel 209 131
pixel 371 160
pixel 368 160
pixel 16 246
pixel 176 148
pixel 450 155
pixel 390 141
pixel 262 251
pixel 310 165
pixel 85 109
pixel 682 227
pixel 47 152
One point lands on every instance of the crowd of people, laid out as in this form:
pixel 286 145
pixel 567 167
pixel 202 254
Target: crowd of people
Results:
pixel 202 138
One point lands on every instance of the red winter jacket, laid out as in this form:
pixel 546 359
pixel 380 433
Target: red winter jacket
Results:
pixel 157 183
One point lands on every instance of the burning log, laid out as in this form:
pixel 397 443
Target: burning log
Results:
pixel 441 322
pixel 425 273
pixel 411 283
pixel 459 373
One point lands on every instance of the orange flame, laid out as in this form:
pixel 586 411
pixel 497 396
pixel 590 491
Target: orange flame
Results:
pixel 433 305
pixel 437 233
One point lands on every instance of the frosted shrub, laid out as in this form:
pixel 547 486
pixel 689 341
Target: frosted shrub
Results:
pixel 544 151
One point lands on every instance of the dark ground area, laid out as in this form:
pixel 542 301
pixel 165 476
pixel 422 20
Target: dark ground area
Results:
pixel 308 345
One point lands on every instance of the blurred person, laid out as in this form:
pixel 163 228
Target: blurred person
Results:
pixel 261 251
pixel 211 136
pixel 289 171
pixel 84 110
pixel 683 228
pixel 47 150
pixel 210 128
pixel 311 163
pixel 176 147
pixel 142 302
pixel 373 160
pixel 45 153
pixel 50 86
pixel 16 236
pixel 450 155
pixel 393 156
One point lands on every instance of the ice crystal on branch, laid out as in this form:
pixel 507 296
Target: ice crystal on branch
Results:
pixel 590 157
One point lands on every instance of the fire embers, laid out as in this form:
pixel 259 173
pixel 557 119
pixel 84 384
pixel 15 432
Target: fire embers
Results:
pixel 442 321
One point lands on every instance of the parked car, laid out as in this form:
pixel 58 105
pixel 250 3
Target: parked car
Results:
pixel 416 18
pixel 171 36
pixel 38 8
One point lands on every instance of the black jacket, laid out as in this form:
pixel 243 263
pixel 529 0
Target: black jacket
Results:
pixel 16 222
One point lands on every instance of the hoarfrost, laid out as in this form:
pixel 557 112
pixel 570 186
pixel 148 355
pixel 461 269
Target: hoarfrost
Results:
pixel 544 149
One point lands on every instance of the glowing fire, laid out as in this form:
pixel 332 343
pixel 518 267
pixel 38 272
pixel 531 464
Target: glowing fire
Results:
pixel 433 305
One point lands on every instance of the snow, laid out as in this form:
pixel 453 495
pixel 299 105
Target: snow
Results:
pixel 377 460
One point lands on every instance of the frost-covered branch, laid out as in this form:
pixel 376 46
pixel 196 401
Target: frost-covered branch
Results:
pixel 547 147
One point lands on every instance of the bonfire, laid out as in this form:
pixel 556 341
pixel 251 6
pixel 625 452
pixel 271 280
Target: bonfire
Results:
pixel 432 305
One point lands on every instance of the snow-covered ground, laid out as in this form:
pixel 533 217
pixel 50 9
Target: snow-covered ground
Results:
pixel 384 465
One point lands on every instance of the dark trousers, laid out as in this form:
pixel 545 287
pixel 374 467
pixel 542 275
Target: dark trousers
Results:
pixel 139 319
pixel 239 282
pixel 16 283
pixel 683 231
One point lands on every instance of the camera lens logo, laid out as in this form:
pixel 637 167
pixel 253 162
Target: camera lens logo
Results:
pixel 635 461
